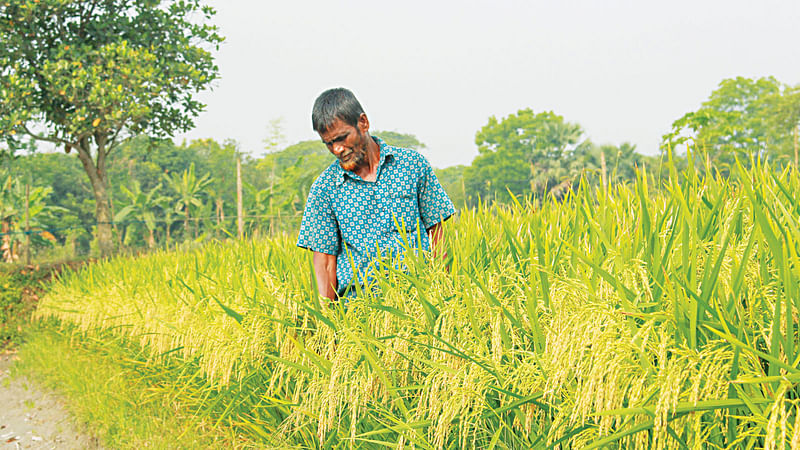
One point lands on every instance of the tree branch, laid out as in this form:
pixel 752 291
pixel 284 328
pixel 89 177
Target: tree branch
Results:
pixel 113 142
pixel 54 140
pixel 85 19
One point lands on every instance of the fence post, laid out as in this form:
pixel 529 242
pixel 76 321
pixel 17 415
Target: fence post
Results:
pixel 27 225
pixel 239 207
pixel 796 130
pixel 603 167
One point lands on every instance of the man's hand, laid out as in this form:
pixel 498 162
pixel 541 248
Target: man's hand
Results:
pixel 325 271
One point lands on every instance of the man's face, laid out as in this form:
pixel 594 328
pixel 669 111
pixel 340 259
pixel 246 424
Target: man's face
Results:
pixel 347 143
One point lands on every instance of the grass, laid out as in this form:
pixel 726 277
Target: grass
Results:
pixel 115 392
pixel 633 317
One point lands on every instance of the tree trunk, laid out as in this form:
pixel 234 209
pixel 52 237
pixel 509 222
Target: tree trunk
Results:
pixel 151 239
pixel 220 216
pixel 103 212
pixel 7 245
pixel 96 170
pixel 239 207
pixel 605 171
pixel 186 221
pixel 27 225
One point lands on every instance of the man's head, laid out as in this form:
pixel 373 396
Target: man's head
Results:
pixel 337 103
pixel 340 121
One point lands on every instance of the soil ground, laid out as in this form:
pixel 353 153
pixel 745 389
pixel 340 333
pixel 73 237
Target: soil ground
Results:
pixel 31 417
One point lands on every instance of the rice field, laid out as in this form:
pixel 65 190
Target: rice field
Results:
pixel 630 318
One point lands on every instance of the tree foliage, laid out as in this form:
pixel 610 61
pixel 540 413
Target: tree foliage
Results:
pixel 522 153
pixel 742 118
pixel 22 206
pixel 189 190
pixel 88 75
pixel 452 180
pixel 398 139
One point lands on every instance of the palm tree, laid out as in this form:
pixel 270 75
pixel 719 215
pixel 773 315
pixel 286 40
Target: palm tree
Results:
pixel 169 215
pixel 190 191
pixel 625 162
pixel 259 203
pixel 549 156
pixel 142 206
pixel 216 208
pixel 558 136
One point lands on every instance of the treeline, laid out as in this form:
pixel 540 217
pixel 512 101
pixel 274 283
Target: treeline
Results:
pixel 163 193
pixel 530 154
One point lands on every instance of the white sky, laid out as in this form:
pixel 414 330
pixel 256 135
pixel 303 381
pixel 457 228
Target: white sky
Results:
pixel 624 70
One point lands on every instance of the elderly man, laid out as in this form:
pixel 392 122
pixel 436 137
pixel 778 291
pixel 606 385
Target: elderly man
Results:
pixel 366 200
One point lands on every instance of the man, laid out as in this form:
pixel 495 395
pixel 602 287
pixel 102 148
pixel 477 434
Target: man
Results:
pixel 363 205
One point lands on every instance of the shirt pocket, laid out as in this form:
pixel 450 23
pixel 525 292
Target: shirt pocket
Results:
pixel 403 210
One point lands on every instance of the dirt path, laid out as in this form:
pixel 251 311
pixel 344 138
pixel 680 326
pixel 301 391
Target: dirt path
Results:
pixel 31 417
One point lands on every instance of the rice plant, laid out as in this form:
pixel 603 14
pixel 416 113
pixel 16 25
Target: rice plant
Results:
pixel 619 318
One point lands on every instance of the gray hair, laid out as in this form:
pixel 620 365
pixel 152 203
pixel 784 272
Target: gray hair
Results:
pixel 337 103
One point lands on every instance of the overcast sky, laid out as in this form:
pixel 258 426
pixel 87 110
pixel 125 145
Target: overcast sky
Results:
pixel 623 70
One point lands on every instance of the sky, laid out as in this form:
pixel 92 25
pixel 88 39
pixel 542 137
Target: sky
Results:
pixel 623 70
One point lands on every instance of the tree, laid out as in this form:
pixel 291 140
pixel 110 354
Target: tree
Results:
pixel 523 153
pixel 452 180
pixel 89 75
pixel 189 190
pixel 141 206
pixel 12 214
pixel 257 203
pixel 397 139
pixel 275 135
pixel 169 216
pixel 742 118
pixel 620 161
pixel 71 192
pixel 785 118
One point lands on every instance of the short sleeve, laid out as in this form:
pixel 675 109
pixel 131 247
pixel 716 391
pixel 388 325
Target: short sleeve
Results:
pixel 434 204
pixel 318 230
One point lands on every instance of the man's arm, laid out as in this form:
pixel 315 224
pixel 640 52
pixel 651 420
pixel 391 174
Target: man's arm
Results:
pixel 325 271
pixel 436 233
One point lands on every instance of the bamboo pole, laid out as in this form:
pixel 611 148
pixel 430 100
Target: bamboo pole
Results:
pixel 604 168
pixel 796 137
pixel 239 206
pixel 27 225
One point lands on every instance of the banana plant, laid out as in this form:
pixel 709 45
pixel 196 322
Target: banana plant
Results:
pixel 259 203
pixel 189 189
pixel 168 215
pixel 12 214
pixel 141 207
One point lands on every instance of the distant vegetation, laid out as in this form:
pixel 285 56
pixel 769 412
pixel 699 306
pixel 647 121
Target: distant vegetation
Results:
pixel 163 193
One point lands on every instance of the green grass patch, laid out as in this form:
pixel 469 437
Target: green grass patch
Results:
pixel 125 401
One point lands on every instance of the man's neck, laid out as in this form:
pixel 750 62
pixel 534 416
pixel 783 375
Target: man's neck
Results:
pixel 369 172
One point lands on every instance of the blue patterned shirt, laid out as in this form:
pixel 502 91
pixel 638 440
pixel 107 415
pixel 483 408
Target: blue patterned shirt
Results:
pixel 346 215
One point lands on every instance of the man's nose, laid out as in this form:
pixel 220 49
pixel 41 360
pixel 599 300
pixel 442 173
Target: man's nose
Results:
pixel 337 148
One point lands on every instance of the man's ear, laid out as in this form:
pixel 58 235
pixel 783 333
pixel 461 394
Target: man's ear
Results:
pixel 363 123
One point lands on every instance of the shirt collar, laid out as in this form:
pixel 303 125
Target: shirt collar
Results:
pixel 386 151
